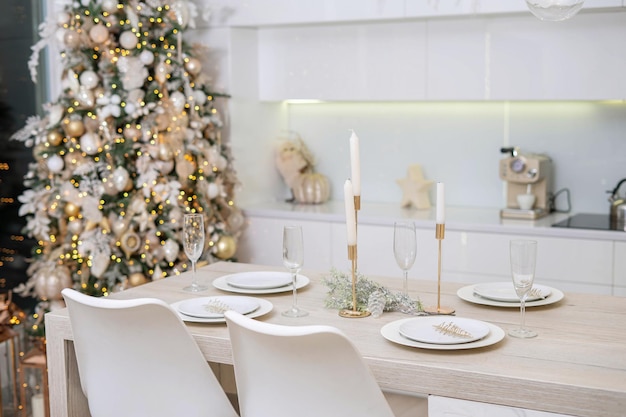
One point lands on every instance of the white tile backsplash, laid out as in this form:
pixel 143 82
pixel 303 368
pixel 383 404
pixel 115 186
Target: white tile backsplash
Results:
pixel 458 143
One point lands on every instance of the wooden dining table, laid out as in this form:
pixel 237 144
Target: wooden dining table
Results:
pixel 575 366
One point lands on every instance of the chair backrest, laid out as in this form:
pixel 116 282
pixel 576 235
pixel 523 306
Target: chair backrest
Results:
pixel 286 371
pixel 136 358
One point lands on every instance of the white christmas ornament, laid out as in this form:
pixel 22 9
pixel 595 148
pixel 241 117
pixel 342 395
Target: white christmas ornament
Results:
pixel 213 190
pixel 55 163
pixel 99 264
pixel 178 101
pixel 146 57
pixel 180 9
pixel 89 79
pixel 98 33
pixel 128 40
pixel 85 97
pixel 120 178
pixel 199 97
pixel 161 72
pixel 109 6
pixel 170 250
pixel 89 143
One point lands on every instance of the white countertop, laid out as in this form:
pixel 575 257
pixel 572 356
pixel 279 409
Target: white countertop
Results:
pixel 473 219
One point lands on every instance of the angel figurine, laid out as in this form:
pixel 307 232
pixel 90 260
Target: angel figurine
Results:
pixel 295 164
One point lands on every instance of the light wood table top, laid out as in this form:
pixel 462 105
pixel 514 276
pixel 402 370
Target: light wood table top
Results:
pixel 576 365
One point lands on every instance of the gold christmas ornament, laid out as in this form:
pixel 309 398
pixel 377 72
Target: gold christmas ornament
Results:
pixel 119 225
pixel 136 278
pixel 165 152
pixel 130 243
pixel 129 185
pixel 109 186
pixel 226 247
pixel 54 137
pixel 71 39
pixel 71 209
pixel 75 128
pixel 193 65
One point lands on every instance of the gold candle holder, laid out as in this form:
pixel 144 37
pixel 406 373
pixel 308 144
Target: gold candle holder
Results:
pixel 354 312
pixel 440 231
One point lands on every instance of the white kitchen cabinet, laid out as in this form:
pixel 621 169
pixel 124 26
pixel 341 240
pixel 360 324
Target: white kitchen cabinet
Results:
pixel 343 62
pixel 579 265
pixel 570 264
pixel 619 270
pixel 262 242
pixel 262 13
pixel 503 57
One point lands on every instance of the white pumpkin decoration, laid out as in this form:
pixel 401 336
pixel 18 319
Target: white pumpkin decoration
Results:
pixel 311 188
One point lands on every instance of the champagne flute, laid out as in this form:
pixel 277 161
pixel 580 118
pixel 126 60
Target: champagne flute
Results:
pixel 404 249
pixel 523 259
pixel 193 243
pixel 293 258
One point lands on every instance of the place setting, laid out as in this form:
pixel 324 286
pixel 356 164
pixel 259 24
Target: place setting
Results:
pixel 259 282
pixel 442 333
pixel 211 309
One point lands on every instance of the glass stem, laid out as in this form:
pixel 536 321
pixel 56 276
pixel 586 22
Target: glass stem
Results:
pixel 193 274
pixel 522 312
pixel 405 284
pixel 294 275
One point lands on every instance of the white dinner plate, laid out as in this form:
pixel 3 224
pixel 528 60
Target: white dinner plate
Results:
pixel 222 284
pixel 391 332
pixel 444 330
pixel 467 293
pixel 504 291
pixel 264 308
pixel 262 280
pixel 214 307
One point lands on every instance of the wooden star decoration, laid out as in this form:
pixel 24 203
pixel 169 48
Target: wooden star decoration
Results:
pixel 415 188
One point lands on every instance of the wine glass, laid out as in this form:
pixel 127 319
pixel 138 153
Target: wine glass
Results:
pixel 193 242
pixel 523 259
pixel 293 258
pixel 404 249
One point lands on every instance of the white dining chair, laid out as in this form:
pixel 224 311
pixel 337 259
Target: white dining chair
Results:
pixel 136 358
pixel 304 371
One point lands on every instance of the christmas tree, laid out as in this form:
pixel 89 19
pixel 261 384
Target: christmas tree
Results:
pixel 130 145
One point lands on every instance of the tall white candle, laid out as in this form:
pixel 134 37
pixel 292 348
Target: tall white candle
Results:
pixel 350 214
pixel 441 207
pixel 355 162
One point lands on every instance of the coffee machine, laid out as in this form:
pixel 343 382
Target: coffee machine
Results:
pixel 528 184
